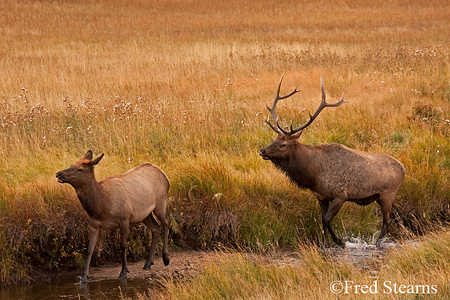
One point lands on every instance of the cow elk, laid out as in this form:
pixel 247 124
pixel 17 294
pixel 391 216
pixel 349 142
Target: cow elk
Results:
pixel 120 201
pixel 333 172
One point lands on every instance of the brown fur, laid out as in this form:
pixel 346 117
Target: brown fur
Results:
pixel 120 201
pixel 335 173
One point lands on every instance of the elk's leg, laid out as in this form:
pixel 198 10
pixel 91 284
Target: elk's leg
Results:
pixel 93 238
pixel 124 230
pixel 161 215
pixel 324 208
pixel 386 205
pixel 155 229
pixel 333 208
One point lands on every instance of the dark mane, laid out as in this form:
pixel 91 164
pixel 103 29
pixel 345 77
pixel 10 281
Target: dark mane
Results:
pixel 297 174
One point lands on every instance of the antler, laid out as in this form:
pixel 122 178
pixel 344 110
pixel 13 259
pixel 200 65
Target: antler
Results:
pixel 322 105
pixel 278 128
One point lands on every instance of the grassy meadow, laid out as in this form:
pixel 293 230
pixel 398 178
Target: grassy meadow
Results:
pixel 184 85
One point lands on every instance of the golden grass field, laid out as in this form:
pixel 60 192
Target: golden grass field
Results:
pixel 184 85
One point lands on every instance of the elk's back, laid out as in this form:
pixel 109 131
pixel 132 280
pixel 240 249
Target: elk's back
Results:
pixel 353 174
pixel 137 192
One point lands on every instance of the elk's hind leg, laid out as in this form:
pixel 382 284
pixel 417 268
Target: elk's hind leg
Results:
pixel 161 215
pixel 386 202
pixel 155 229
pixel 124 230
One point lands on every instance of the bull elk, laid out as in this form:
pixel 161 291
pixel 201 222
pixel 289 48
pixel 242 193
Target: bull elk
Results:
pixel 334 172
pixel 120 201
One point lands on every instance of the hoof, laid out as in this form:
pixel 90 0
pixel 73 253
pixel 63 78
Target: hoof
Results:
pixel 324 247
pixel 123 274
pixel 148 265
pixel 166 260
pixel 379 243
pixel 83 279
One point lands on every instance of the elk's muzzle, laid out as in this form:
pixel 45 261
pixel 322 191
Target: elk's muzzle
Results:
pixel 60 179
pixel 262 153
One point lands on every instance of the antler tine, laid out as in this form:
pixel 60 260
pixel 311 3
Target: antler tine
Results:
pixel 322 105
pixel 277 97
pixel 322 86
pixel 278 128
pixel 341 101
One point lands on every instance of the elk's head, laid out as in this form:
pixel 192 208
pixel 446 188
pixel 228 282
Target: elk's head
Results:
pixel 81 172
pixel 286 141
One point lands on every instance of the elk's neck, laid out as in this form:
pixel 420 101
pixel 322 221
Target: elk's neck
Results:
pixel 90 196
pixel 299 166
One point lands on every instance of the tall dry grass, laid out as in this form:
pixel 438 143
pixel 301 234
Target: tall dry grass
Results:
pixel 184 84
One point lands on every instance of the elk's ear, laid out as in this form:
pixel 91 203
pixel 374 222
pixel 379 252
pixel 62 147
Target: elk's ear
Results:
pixel 88 155
pixel 97 160
pixel 281 136
pixel 297 135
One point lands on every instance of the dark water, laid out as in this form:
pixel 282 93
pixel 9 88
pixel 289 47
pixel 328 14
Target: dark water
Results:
pixel 68 287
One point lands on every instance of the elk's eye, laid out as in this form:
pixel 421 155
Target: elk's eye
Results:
pixel 282 146
pixel 79 170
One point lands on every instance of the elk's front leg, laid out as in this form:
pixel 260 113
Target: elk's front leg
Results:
pixel 333 208
pixel 124 230
pixel 93 238
pixel 324 208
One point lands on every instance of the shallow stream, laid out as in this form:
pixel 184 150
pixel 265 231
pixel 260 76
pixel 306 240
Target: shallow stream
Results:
pixel 104 284
pixel 67 287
